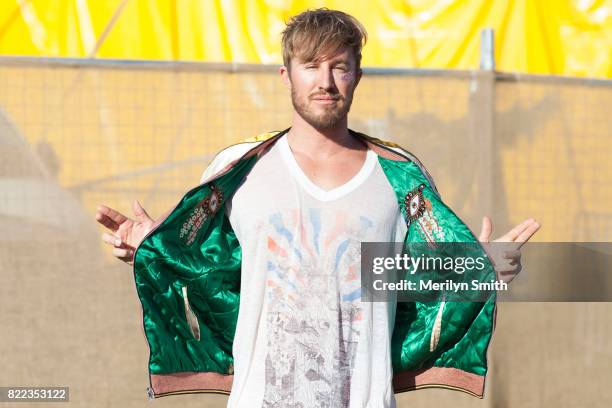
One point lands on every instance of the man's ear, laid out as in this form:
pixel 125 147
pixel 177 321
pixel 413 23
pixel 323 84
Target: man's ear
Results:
pixel 284 73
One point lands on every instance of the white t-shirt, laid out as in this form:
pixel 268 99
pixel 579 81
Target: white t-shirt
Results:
pixel 303 337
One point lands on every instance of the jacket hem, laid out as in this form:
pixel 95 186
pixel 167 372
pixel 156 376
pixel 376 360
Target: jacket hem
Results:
pixel 440 377
pixel 190 382
pixel 434 377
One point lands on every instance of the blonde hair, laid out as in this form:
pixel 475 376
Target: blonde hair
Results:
pixel 314 34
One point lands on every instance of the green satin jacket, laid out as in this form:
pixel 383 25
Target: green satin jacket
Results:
pixel 187 275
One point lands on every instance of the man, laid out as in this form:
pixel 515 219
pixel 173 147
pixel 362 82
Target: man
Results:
pixel 274 232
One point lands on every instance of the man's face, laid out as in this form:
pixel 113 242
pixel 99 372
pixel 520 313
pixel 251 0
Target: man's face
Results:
pixel 322 91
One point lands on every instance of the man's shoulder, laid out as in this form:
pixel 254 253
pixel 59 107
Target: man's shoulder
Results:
pixel 246 144
pixel 234 152
pixel 259 138
pixel 378 141
pixel 391 146
pixel 400 151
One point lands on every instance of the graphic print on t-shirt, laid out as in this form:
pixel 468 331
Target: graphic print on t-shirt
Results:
pixel 303 337
pixel 313 293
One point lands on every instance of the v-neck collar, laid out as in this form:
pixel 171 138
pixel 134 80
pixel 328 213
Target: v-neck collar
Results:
pixel 315 190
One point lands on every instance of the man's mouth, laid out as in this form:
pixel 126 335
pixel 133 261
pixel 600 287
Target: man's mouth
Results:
pixel 325 99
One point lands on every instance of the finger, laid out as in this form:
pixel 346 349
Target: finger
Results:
pixel 111 239
pixel 517 230
pixel 511 272
pixel 514 262
pixel 506 268
pixel 513 255
pixel 129 261
pixel 107 215
pixel 107 222
pixel 504 265
pixel 507 277
pixel 139 212
pixel 114 215
pixel 528 233
pixel 486 230
pixel 123 252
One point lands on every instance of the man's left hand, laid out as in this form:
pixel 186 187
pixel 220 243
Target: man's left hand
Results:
pixel 507 258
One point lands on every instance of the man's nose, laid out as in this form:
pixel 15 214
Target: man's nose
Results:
pixel 326 79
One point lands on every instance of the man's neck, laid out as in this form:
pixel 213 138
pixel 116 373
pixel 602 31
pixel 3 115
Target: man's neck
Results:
pixel 322 143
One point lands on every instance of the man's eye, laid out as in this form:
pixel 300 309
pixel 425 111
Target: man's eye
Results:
pixel 341 68
pixel 310 66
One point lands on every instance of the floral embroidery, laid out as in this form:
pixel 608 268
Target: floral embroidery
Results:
pixel 203 211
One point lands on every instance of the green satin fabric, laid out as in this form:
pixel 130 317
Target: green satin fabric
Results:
pixel 210 269
pixel 466 326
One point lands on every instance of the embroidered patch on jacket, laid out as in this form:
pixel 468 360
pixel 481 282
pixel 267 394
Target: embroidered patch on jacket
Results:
pixel 419 209
pixel 430 228
pixel 415 203
pixel 204 210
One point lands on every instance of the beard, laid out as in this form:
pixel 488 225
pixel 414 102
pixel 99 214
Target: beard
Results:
pixel 331 114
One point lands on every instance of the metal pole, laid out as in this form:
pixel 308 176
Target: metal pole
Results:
pixel 487 49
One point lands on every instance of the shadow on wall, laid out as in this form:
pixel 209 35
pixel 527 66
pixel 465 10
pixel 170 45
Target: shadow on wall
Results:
pixel 68 319
pixel 452 150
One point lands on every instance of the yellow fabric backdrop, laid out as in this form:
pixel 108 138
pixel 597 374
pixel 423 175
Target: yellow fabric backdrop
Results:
pixel 536 36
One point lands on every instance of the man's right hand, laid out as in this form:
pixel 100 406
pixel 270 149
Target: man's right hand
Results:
pixel 125 234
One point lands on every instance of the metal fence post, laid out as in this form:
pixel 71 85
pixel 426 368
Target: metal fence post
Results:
pixel 483 125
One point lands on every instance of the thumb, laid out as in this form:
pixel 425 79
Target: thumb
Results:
pixel 486 230
pixel 139 212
